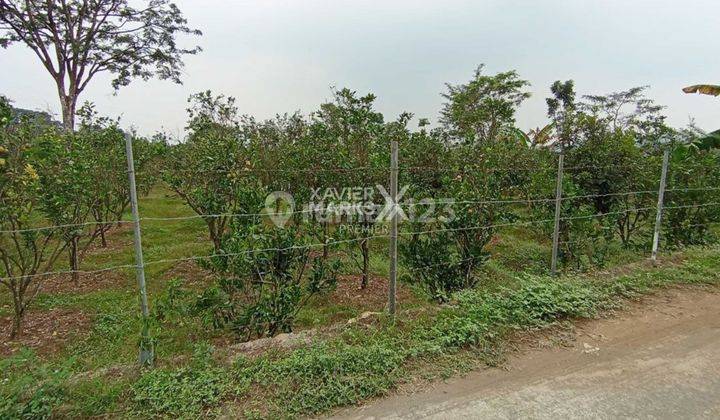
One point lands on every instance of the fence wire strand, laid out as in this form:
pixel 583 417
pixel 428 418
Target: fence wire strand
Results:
pixel 345 241
pixel 65 226
pixel 426 202
pixel 61 272
pixel 310 211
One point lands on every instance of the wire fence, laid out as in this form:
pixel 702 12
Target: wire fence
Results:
pixel 395 207
pixel 409 204
pixel 528 201
pixel 363 238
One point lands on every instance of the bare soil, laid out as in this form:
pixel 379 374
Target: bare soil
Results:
pixel 659 358
pixel 191 272
pixel 373 298
pixel 87 283
pixel 46 332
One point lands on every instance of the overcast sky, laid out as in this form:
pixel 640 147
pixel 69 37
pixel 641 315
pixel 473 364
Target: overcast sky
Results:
pixel 281 56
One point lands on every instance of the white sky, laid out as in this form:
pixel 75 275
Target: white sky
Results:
pixel 281 56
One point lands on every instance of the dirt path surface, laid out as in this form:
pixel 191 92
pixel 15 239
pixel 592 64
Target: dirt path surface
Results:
pixel 659 359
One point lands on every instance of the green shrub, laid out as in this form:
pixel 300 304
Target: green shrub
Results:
pixel 314 379
pixel 266 276
pixel 181 392
pixel 29 389
pixel 690 202
pixel 173 304
pixel 438 261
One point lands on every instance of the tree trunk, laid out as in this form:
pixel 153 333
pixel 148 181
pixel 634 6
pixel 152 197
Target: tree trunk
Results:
pixel 68 104
pixel 217 243
pixel 215 234
pixel 16 323
pixel 75 261
pixel 103 240
pixel 365 249
pixel 326 248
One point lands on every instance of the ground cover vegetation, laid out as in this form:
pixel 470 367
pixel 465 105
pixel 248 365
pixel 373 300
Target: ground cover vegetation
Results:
pixel 474 242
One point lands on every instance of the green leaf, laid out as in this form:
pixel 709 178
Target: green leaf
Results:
pixel 713 90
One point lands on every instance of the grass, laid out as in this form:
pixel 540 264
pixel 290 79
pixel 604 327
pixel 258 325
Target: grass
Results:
pixel 95 375
pixel 363 363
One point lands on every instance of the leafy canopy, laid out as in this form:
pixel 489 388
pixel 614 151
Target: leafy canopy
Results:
pixel 482 108
pixel 77 39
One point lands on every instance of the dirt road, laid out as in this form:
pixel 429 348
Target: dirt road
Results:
pixel 659 359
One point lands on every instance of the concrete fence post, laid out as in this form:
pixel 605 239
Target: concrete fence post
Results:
pixel 146 346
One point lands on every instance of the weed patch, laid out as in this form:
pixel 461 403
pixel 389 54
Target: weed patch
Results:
pixel 181 392
pixel 359 363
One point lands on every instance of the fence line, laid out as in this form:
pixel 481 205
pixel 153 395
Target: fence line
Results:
pixel 255 170
pixel 240 171
pixel 409 204
pixel 693 206
pixel 197 257
pixel 140 265
pixel 703 224
pixel 69 225
pixel 693 189
pixel 534 169
pixel 449 263
pixel 61 272
pixel 383 236
pixel 616 194
pixel 253 251
pixel 230 215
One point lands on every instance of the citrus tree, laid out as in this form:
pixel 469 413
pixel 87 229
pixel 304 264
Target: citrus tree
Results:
pixel 38 180
pixel 266 275
pixel 211 167
pixel 445 246
pixel 355 131
pixel 110 193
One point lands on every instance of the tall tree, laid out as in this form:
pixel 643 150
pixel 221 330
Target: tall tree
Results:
pixel 483 108
pixel 78 39
pixel 561 110
pixel 630 110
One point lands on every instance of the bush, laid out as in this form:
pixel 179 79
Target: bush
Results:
pixel 440 264
pixel 183 391
pixel 173 304
pixel 692 197
pixel 267 275
pixel 447 241
pixel 609 164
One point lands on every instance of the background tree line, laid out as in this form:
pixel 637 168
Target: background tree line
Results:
pixel 60 192
pixel 228 164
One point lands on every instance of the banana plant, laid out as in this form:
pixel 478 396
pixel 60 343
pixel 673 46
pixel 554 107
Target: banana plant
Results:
pixel 713 90
pixel 533 138
pixel 542 136
pixel 712 140
pixel 708 141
